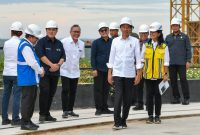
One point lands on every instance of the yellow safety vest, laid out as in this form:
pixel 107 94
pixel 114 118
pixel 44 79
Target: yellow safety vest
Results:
pixel 154 61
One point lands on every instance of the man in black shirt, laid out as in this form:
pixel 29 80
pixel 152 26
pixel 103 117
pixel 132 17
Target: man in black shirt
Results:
pixel 52 55
pixel 180 58
pixel 99 57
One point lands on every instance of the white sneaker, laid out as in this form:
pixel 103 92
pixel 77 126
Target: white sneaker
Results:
pixel 117 127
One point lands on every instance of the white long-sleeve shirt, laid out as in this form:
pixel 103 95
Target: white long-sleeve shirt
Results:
pixel 30 59
pixel 122 58
pixel 166 56
pixel 73 52
pixel 10 56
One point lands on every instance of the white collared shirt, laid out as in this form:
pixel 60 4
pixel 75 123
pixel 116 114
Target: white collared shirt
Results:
pixel 122 58
pixel 166 56
pixel 73 51
pixel 10 49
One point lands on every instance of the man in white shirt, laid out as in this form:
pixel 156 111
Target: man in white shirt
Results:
pixel 10 75
pixel 28 71
pixel 69 71
pixel 122 71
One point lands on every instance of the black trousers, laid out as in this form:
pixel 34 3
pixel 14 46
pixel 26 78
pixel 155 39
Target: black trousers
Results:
pixel 181 71
pixel 153 97
pixel 48 86
pixel 139 93
pixel 29 94
pixel 68 95
pixel 101 90
pixel 123 90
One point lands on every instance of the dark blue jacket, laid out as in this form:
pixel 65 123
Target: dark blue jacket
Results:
pixel 53 50
pixel 179 48
pixel 100 52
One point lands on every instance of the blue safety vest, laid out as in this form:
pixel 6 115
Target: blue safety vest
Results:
pixel 26 76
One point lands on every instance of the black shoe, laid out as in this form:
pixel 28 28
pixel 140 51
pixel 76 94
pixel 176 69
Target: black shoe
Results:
pixel 28 126
pixel 186 102
pixel 117 127
pixel 107 111
pixel 35 125
pixel 6 122
pixel 16 122
pixel 138 107
pixel 50 118
pixel 157 120
pixel 150 120
pixel 42 118
pixel 176 101
pixel 124 125
pixel 98 112
pixel 71 113
pixel 65 114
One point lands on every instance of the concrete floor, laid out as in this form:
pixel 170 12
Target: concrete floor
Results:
pixel 175 126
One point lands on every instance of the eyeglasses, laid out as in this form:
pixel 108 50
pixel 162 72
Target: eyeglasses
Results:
pixel 103 30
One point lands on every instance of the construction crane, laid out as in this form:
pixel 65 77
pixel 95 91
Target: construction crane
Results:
pixel 189 12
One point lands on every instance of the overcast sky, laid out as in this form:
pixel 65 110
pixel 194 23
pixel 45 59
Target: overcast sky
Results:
pixel 87 13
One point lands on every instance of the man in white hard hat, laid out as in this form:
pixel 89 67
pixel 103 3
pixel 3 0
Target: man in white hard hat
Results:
pixel 125 50
pixel 180 59
pixel 114 29
pixel 52 55
pixel 99 57
pixel 28 70
pixel 69 71
pixel 143 33
pixel 133 34
pixel 10 75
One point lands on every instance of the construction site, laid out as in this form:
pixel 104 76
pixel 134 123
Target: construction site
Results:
pixel 179 118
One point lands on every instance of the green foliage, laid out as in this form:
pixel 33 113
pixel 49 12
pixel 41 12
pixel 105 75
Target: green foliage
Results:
pixel 1 62
pixel 193 73
pixel 86 74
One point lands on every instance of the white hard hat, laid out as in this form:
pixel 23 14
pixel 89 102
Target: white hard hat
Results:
pixel 34 30
pixel 51 24
pixel 144 28
pixel 16 26
pixel 155 26
pixel 102 24
pixel 176 21
pixel 113 26
pixel 126 20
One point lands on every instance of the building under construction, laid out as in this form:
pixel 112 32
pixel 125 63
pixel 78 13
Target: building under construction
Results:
pixel 189 12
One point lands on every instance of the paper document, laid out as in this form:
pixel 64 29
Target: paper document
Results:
pixel 163 86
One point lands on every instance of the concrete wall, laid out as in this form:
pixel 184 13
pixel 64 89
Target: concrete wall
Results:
pixel 85 96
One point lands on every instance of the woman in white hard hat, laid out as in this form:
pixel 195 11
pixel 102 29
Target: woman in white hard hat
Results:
pixel 10 75
pixel 28 71
pixel 122 71
pixel 155 56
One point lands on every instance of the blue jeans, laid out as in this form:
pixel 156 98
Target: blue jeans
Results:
pixel 10 85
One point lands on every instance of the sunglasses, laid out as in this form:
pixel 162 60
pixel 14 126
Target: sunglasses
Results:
pixel 103 30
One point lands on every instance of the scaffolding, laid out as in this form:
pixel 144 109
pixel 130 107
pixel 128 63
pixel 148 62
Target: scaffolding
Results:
pixel 189 12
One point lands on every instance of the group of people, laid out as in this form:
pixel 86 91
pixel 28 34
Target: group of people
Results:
pixel 37 59
pixel 126 62
pixel 123 62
